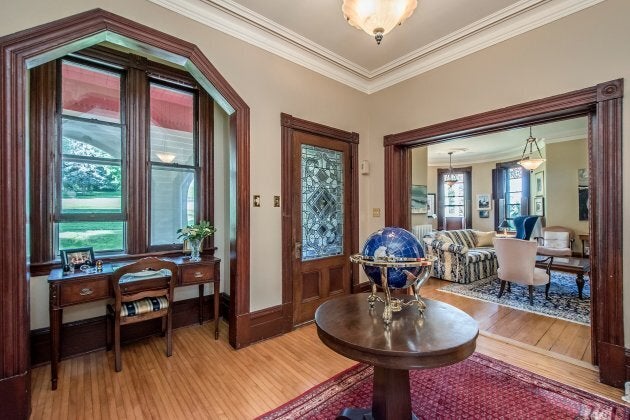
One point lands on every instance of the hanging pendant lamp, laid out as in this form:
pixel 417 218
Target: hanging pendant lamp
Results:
pixel 527 161
pixel 450 178
pixel 377 17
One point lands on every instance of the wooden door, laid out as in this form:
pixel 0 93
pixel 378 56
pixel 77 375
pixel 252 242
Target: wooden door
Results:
pixel 321 225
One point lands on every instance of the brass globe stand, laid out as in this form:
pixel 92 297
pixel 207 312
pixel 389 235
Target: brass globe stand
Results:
pixel 416 282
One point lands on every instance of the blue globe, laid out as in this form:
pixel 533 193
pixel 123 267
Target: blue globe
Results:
pixel 393 242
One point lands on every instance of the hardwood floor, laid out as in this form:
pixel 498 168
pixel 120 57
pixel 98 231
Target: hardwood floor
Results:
pixel 565 338
pixel 208 379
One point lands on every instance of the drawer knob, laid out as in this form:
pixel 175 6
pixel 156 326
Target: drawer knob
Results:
pixel 86 291
pixel 198 274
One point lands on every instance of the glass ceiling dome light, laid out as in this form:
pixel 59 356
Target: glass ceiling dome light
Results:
pixel 377 17
pixel 527 161
pixel 450 178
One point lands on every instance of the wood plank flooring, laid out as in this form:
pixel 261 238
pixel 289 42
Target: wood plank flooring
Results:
pixel 208 379
pixel 556 335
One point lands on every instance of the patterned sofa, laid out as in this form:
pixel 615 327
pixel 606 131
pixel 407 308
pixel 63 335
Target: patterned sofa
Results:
pixel 459 257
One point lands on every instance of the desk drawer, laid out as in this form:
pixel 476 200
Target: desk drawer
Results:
pixel 197 274
pixel 83 291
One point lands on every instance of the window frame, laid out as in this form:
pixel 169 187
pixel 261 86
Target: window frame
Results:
pixel 500 189
pixel 467 173
pixel 136 74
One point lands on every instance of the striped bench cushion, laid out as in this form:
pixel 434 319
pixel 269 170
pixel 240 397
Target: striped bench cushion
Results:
pixel 142 306
pixel 480 254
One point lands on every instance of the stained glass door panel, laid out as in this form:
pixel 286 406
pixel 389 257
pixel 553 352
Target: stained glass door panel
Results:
pixel 322 202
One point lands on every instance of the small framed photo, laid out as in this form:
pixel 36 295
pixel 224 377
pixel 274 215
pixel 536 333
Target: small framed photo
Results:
pixel 539 186
pixel 77 256
pixel 484 214
pixel 484 202
pixel 539 206
pixel 431 205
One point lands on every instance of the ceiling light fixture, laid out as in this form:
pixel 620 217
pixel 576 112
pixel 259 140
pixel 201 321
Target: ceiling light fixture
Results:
pixel 166 157
pixel 377 17
pixel 528 162
pixel 450 178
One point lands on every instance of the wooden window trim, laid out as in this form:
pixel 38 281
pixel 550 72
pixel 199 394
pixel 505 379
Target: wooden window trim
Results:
pixel 441 172
pixel 136 75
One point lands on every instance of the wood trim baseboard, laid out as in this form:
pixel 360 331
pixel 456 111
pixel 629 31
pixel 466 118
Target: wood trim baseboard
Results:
pixel 88 335
pixel 269 322
pixel 16 389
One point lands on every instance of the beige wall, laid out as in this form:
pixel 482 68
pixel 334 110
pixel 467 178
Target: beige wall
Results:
pixel 584 49
pixel 561 185
pixel 580 50
pixel 269 85
pixel 419 177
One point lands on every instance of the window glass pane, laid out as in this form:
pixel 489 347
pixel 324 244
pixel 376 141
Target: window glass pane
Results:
pixel 172 122
pixel 83 138
pixel 322 202
pixel 514 198
pixel 516 184
pixel 514 210
pixel 90 93
pixel 90 188
pixel 172 203
pixel 454 211
pixel 102 236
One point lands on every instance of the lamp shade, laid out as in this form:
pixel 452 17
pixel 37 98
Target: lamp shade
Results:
pixel 530 164
pixel 377 17
pixel 504 224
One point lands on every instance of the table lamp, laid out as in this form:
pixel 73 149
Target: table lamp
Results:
pixel 505 225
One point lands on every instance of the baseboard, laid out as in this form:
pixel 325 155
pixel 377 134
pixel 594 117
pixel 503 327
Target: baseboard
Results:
pixel 16 397
pixel 89 335
pixel 613 364
pixel 268 323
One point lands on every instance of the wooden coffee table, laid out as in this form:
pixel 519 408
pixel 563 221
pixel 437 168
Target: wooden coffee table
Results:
pixel 445 335
pixel 577 266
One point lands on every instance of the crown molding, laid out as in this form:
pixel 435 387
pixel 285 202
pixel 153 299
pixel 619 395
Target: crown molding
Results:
pixel 235 20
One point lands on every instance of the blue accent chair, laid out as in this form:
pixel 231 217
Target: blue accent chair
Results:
pixel 524 226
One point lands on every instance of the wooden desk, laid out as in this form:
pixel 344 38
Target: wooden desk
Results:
pixel 80 287
pixel 445 335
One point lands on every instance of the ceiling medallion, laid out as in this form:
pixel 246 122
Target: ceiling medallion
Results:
pixel 377 17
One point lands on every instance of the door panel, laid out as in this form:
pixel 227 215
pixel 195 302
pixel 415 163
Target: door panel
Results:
pixel 321 184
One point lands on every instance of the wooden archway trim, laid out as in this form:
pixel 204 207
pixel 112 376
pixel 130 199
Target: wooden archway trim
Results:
pixel 44 43
pixel 602 103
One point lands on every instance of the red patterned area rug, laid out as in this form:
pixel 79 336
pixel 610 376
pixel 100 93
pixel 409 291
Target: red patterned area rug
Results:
pixel 478 388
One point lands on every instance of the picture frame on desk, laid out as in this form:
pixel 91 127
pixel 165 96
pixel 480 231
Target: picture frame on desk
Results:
pixel 77 256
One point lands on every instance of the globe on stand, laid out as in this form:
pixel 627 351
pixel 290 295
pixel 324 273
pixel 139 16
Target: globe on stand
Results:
pixel 393 258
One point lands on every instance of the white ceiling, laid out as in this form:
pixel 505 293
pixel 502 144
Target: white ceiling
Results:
pixel 314 33
pixel 505 144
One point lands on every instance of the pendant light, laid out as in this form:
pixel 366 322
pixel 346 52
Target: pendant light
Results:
pixel 528 162
pixel 450 178
pixel 377 17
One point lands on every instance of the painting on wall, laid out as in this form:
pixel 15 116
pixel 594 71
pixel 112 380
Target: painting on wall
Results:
pixel 419 199
pixel 484 214
pixel 431 205
pixel 539 206
pixel 583 194
pixel 539 183
pixel 483 202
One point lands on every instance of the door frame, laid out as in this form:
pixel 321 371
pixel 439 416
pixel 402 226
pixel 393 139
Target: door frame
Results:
pixel 290 124
pixel 602 103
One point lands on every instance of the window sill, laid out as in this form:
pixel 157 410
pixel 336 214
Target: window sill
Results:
pixel 44 268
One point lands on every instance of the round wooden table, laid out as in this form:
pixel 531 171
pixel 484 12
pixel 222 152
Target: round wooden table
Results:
pixel 445 335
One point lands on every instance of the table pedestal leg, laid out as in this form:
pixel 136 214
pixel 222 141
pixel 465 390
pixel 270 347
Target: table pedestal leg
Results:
pixel 391 398
pixel 579 280
pixel 56 316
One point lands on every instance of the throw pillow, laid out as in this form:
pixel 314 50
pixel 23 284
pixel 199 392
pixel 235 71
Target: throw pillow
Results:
pixel 443 238
pixel 485 238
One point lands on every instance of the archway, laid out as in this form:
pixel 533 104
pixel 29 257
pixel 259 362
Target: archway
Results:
pixel 30 48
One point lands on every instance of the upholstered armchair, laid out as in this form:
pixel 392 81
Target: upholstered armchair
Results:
pixel 517 264
pixel 557 241
pixel 524 226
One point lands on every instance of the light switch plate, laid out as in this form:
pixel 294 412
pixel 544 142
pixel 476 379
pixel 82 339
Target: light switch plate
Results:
pixel 276 201
pixel 376 212
pixel 257 201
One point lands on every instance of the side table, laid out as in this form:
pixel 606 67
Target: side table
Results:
pixel 444 336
